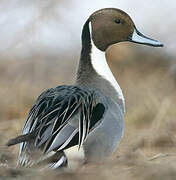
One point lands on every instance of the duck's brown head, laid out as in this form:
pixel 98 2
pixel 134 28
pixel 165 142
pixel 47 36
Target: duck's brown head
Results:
pixel 110 26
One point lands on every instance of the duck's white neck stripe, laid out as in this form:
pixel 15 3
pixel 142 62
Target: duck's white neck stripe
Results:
pixel 101 66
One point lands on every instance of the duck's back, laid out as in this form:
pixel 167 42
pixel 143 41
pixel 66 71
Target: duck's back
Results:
pixel 66 116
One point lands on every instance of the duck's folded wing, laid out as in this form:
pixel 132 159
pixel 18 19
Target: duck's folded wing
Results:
pixel 62 117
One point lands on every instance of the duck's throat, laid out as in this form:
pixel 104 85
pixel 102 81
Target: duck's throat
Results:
pixel 100 65
pixel 93 70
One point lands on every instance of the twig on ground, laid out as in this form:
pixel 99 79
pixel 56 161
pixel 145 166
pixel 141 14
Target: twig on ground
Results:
pixel 161 155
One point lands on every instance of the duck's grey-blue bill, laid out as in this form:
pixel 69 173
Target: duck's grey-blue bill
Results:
pixel 139 38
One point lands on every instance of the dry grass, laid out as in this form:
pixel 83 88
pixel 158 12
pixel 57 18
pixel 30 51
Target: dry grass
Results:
pixel 147 150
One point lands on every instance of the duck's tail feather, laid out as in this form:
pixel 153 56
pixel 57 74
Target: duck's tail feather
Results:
pixel 22 138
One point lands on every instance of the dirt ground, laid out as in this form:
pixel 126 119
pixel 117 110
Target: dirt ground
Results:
pixel 148 148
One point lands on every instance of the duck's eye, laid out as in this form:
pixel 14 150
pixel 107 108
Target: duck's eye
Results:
pixel 117 21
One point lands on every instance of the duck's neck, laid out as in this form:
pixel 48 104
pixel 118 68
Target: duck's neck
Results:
pixel 93 68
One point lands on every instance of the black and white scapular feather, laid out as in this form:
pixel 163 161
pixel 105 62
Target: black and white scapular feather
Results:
pixel 61 117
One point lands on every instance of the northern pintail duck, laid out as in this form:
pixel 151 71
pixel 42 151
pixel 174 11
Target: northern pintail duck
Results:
pixel 89 113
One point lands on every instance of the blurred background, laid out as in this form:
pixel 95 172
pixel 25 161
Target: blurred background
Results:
pixel 40 47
